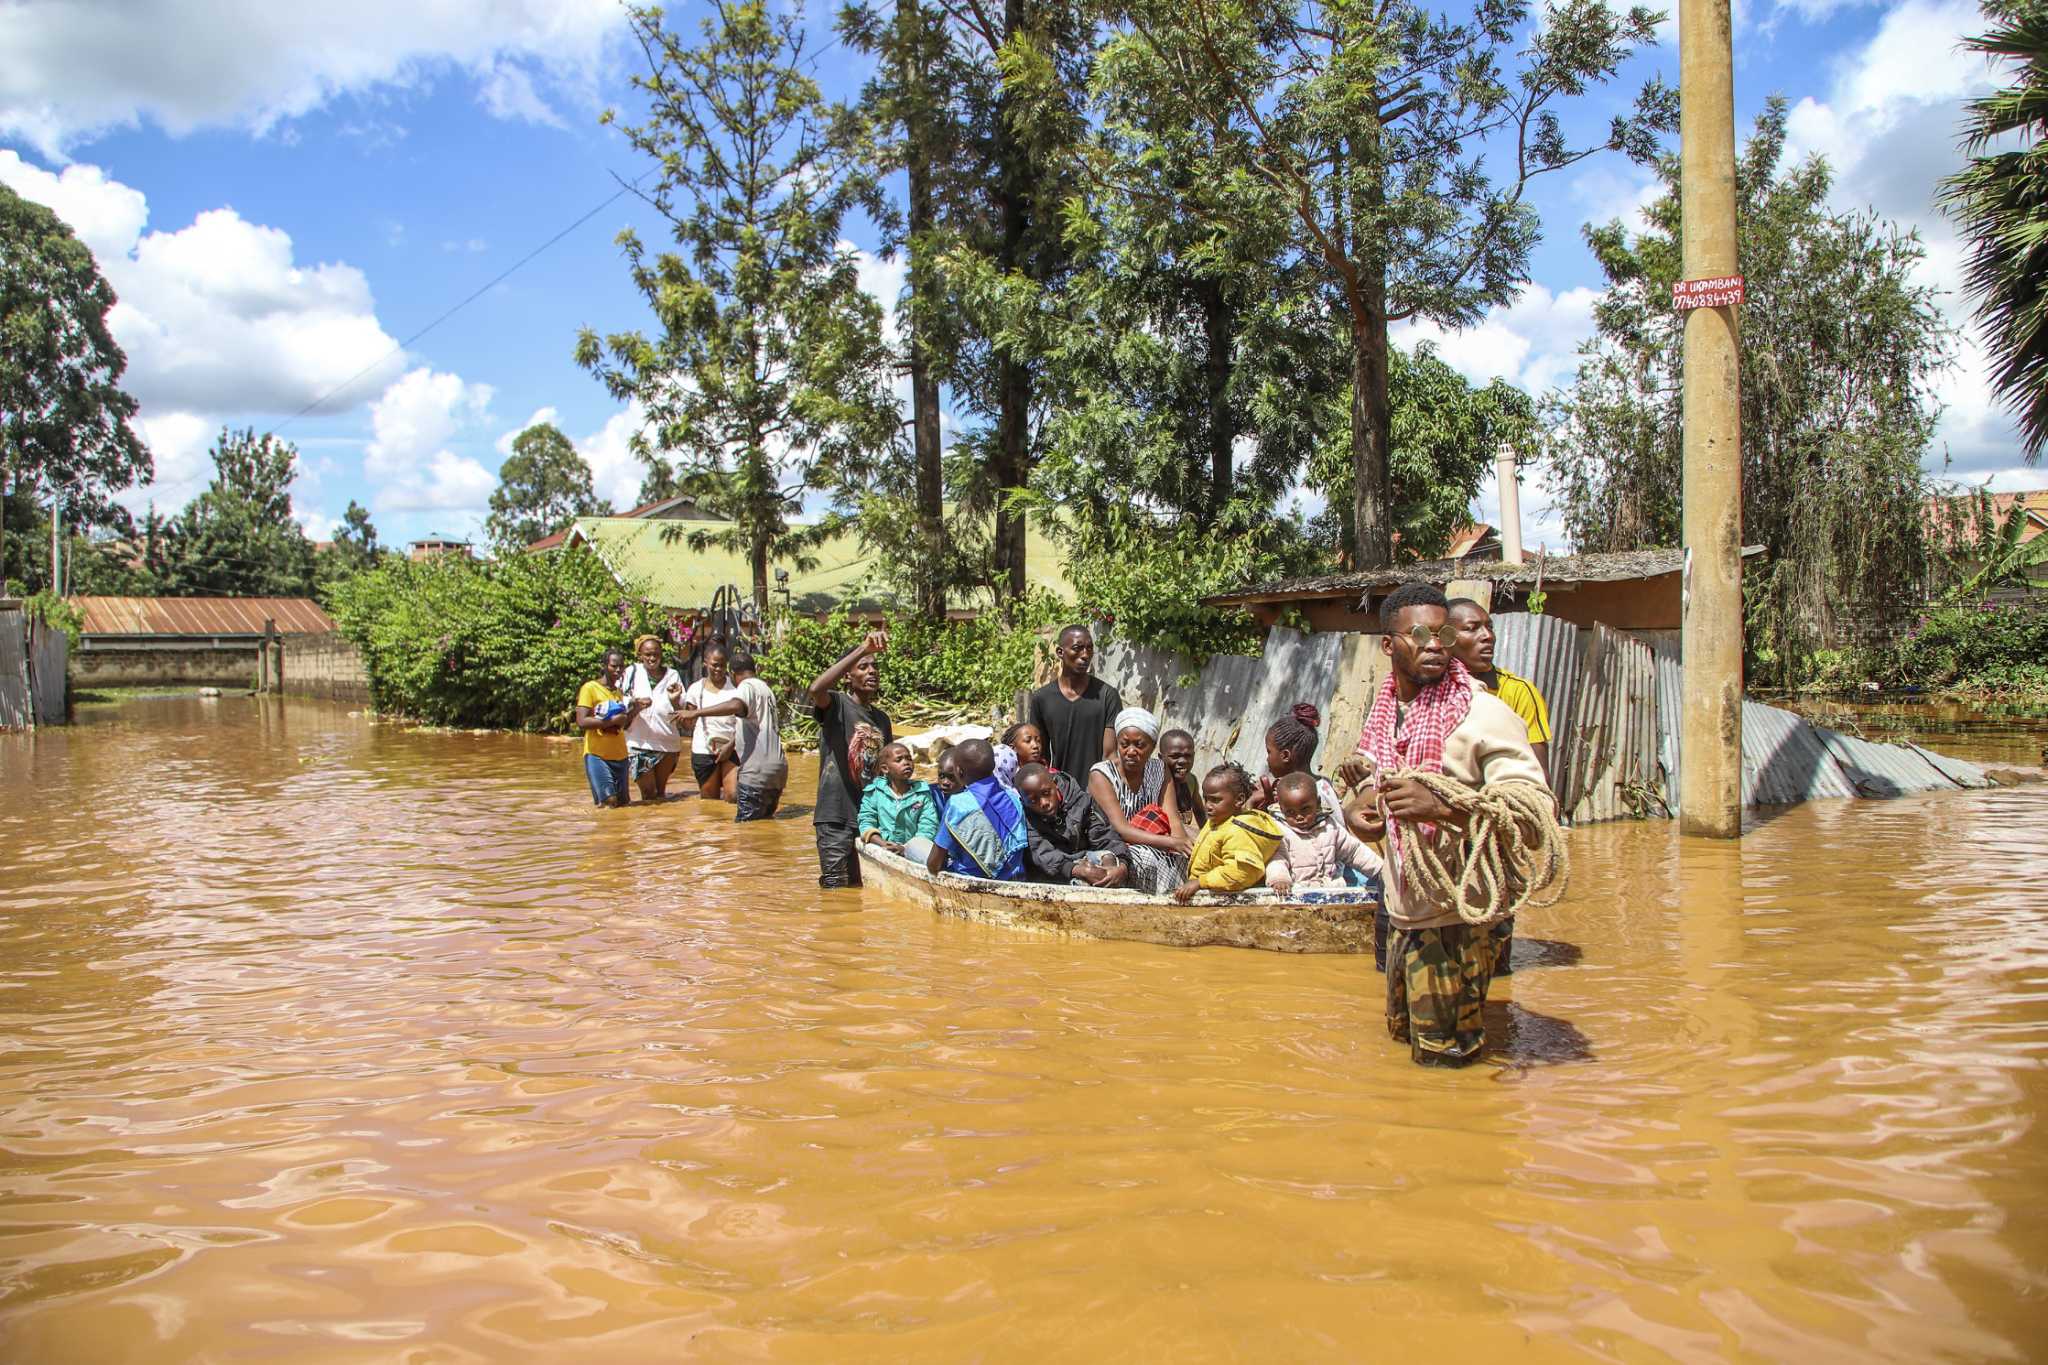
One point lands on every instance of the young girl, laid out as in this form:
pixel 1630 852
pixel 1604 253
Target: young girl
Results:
pixel 1316 850
pixel 1291 748
pixel 1236 844
pixel 1028 744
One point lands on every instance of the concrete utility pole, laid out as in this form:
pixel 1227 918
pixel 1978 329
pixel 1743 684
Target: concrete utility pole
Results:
pixel 1710 744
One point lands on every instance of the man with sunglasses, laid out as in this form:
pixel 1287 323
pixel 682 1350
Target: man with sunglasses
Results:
pixel 1429 716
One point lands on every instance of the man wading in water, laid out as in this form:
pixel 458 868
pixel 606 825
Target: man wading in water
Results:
pixel 846 722
pixel 1474 649
pixel 1428 716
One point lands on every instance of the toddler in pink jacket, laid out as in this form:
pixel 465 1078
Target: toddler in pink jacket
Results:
pixel 1315 847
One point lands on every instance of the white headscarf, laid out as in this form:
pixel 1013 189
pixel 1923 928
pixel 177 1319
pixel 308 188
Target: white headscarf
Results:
pixel 1139 719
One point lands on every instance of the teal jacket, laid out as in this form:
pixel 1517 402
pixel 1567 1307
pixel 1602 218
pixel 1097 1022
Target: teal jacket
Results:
pixel 899 819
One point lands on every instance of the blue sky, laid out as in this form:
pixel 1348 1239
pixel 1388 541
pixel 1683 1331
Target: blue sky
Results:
pixel 281 193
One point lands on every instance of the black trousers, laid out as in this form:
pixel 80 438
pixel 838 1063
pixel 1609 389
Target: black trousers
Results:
pixel 838 862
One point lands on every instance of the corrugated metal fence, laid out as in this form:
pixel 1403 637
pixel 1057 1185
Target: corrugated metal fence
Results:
pixel 33 658
pixel 1615 702
pixel 17 701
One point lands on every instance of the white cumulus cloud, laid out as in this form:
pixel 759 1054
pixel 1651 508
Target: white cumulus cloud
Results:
pixel 218 319
pixel 409 461
pixel 71 69
pixel 1532 343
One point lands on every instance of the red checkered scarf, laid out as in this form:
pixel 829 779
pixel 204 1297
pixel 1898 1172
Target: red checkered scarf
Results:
pixel 1438 709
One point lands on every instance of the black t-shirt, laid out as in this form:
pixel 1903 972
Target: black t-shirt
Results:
pixel 1073 729
pixel 838 789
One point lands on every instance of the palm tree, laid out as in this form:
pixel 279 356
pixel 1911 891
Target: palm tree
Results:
pixel 2000 200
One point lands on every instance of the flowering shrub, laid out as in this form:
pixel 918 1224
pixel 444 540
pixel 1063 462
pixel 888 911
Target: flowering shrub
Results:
pixel 506 644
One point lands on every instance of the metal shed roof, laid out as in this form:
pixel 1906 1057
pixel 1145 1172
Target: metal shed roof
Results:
pixel 150 616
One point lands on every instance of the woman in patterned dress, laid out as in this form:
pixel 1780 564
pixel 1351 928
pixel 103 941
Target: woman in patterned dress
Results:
pixel 1133 794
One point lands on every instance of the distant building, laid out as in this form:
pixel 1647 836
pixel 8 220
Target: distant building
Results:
pixel 651 554
pixel 184 640
pixel 433 545
pixel 683 508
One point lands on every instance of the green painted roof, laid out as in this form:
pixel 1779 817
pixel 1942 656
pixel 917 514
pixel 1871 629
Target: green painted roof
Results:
pixel 654 558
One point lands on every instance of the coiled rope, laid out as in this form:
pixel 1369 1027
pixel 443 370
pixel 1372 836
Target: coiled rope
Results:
pixel 1509 854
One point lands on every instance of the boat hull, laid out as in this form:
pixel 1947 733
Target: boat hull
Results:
pixel 1311 922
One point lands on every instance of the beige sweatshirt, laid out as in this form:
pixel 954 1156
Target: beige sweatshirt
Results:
pixel 1491 745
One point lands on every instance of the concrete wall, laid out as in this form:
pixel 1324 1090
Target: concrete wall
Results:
pixel 187 666
pixel 324 666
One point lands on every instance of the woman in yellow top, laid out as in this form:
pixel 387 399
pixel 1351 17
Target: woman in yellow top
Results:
pixel 602 714
pixel 1235 845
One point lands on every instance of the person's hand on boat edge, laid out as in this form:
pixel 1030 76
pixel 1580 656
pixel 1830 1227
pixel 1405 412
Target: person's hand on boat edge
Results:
pixel 1185 892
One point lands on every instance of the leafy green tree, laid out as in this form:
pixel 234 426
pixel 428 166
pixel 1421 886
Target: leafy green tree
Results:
pixel 1189 352
pixel 353 550
pixel 917 98
pixel 769 373
pixel 2000 200
pixel 64 421
pixel 1373 121
pixel 1443 436
pixel 1839 351
pixel 238 538
pixel 542 486
pixel 1009 265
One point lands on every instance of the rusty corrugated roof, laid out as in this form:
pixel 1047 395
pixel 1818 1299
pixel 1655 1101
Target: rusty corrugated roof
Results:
pixel 201 615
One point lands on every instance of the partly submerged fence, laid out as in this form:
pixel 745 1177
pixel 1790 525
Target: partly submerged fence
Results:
pixel 32 662
pixel 1614 701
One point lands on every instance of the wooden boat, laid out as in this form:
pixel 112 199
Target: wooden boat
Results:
pixel 1306 922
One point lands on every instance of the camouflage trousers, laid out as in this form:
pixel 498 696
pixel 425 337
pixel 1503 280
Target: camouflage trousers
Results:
pixel 1436 991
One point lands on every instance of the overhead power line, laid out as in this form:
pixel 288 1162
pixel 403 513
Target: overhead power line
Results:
pixel 624 189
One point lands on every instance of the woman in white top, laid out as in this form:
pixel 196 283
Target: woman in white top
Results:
pixel 653 743
pixel 712 737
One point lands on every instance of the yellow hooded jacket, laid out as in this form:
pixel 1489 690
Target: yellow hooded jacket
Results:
pixel 1232 856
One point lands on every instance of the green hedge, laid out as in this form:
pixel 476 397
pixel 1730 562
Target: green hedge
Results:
pixel 1992 647
pixel 505 644
pixel 451 641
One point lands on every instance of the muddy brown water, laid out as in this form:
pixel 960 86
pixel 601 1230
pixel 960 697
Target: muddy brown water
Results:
pixel 323 1040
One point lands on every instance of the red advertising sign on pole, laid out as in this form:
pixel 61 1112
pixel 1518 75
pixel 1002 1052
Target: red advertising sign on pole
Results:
pixel 1721 291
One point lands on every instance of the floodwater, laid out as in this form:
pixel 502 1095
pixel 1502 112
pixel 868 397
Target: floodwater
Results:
pixel 323 1040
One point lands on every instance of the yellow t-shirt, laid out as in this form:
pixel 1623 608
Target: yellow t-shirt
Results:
pixel 1525 701
pixel 602 743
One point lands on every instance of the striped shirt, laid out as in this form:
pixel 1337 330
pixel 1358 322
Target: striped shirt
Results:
pixel 1524 700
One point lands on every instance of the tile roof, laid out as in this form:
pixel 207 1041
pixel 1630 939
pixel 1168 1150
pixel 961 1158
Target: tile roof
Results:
pixel 201 615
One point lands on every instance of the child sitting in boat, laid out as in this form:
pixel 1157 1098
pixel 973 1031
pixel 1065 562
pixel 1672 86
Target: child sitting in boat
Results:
pixel 896 807
pixel 1316 847
pixel 981 829
pixel 1236 844
pixel 1071 842
pixel 1028 743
